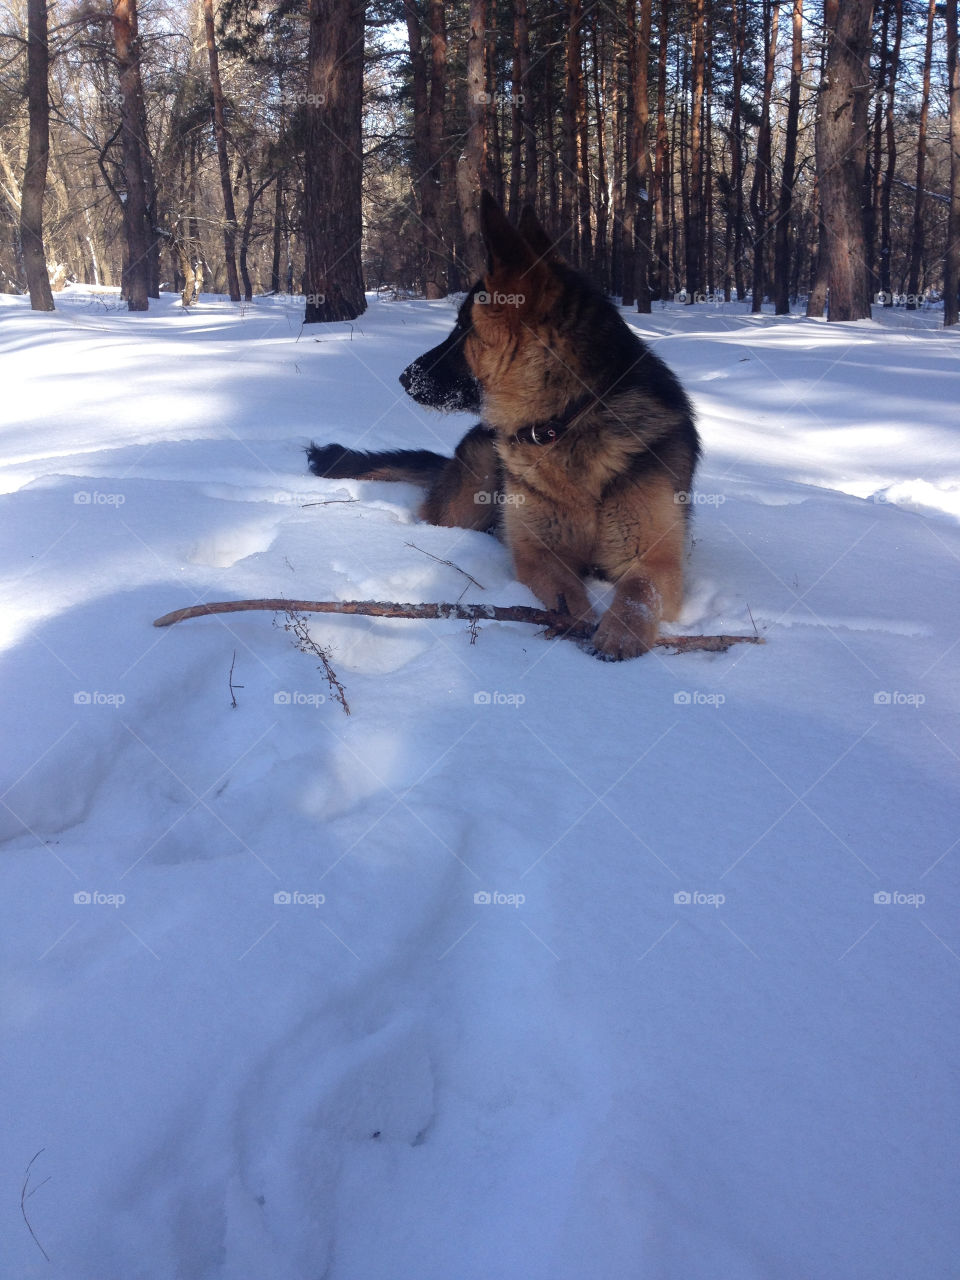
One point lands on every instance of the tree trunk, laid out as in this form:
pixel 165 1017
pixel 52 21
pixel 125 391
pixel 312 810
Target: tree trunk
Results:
pixel 472 163
pixel 253 195
pixel 759 206
pixel 601 260
pixel 890 129
pixel 568 152
pixel 552 193
pixel 220 135
pixel 38 154
pixel 951 266
pixel 151 212
pixel 491 172
pixel 617 76
pixel 526 107
pixel 333 223
pixel 782 248
pixel 661 251
pixel 736 145
pixel 424 161
pixel 181 252
pixel 916 239
pixel 841 141
pixel 127 46
pixel 516 126
pixel 437 252
pixel 707 266
pixel 632 184
pixel 694 211
pixel 680 152
pixel 583 166
pixel 873 179
pixel 277 235
pixel 644 167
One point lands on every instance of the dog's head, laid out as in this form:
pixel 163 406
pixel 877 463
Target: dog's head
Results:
pixel 441 378
pixel 452 376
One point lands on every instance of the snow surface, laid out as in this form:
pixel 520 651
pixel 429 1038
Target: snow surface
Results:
pixel 585 1078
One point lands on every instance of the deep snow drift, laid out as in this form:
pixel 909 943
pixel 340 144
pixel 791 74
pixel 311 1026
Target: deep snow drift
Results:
pixel 532 967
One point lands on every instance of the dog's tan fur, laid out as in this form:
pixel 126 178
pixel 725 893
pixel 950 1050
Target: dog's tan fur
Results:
pixel 573 507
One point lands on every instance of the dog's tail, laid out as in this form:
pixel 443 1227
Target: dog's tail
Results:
pixel 415 466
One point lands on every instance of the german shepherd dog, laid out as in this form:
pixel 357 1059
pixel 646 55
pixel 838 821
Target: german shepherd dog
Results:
pixel 584 458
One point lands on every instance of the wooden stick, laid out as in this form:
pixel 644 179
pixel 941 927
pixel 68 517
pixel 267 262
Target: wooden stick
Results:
pixel 559 622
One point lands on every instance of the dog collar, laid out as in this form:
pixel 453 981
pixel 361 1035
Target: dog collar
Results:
pixel 551 429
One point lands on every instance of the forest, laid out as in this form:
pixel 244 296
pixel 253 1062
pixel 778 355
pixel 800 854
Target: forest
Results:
pixel 801 155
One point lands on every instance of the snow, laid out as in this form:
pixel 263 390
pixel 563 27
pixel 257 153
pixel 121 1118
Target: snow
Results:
pixel 585 1076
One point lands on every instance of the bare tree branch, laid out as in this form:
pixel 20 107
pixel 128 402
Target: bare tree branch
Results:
pixel 556 623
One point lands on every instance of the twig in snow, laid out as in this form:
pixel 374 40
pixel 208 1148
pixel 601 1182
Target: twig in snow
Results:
pixel 556 623
pixel 449 563
pixel 306 644
pixel 233 696
pixel 25 1195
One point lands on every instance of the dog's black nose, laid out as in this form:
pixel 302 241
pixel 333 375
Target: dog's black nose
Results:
pixel 406 378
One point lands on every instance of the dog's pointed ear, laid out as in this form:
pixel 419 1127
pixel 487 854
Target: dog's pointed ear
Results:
pixel 506 247
pixel 532 231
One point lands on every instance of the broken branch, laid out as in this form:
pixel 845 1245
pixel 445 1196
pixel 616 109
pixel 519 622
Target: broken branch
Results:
pixel 557 622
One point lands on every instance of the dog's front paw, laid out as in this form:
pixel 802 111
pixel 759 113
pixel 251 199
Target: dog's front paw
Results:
pixel 617 638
